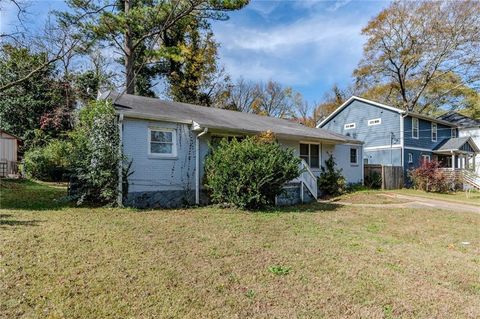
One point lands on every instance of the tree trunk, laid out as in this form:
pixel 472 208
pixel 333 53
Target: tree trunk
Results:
pixel 129 56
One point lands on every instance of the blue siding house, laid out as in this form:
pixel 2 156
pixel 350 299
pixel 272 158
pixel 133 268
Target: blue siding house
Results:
pixel 168 142
pixel 396 137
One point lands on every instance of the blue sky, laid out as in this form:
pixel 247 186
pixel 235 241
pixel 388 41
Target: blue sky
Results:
pixel 308 45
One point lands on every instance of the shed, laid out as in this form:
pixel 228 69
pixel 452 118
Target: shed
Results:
pixel 8 153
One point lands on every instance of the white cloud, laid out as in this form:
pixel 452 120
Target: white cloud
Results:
pixel 319 47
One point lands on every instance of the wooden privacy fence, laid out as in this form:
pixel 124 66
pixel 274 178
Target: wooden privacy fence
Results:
pixel 391 176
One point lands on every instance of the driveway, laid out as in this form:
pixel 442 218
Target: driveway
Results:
pixel 419 202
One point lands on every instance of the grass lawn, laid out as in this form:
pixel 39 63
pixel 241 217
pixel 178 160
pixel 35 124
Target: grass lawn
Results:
pixel 368 197
pixel 472 198
pixel 315 261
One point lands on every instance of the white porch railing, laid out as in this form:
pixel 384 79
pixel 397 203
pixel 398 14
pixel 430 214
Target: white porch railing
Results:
pixel 308 180
pixel 463 175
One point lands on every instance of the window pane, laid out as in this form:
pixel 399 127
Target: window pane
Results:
pixel 161 148
pixel 353 155
pixel 304 150
pixel 314 161
pixel 159 136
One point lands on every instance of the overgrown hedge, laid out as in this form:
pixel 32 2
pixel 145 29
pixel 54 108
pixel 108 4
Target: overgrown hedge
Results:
pixel 51 162
pixel 249 173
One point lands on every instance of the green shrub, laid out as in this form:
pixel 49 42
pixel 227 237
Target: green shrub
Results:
pixel 331 181
pixel 50 162
pixel 249 174
pixel 374 180
pixel 96 154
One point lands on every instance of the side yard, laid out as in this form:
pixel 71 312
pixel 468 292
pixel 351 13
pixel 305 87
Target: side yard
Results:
pixel 320 260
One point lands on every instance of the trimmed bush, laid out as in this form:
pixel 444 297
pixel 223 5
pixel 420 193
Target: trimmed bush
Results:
pixel 429 178
pixel 331 181
pixel 50 162
pixel 249 173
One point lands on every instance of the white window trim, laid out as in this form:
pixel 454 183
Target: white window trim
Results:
pixel 356 156
pixel 410 158
pixel 453 133
pixel 434 125
pixel 349 126
pixel 426 156
pixel 374 122
pixel 417 127
pixel 174 142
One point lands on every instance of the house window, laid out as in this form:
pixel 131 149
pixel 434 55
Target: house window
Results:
pixel 349 126
pixel 414 127
pixel 374 122
pixel 410 157
pixel 353 156
pixel 453 132
pixel 162 142
pixel 425 158
pixel 310 153
pixel 434 132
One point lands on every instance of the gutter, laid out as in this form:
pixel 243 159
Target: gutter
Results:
pixel 120 161
pixel 197 166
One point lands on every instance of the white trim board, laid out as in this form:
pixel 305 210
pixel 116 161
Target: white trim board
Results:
pixel 382 147
pixel 418 149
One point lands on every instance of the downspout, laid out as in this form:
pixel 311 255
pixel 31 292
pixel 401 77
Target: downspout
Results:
pixel 197 166
pixel 402 139
pixel 120 161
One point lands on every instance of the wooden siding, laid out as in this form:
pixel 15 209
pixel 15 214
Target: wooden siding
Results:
pixel 425 134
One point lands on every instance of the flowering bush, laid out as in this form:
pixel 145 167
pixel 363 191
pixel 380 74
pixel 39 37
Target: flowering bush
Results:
pixel 428 177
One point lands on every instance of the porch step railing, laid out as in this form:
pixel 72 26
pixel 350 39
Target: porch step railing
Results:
pixel 308 180
pixel 464 176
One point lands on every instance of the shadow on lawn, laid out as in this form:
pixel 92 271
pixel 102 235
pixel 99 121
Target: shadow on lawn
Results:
pixel 31 195
pixel 314 207
pixel 9 222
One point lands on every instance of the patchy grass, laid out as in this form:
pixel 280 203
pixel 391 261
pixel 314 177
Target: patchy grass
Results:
pixel 369 197
pixel 472 197
pixel 343 262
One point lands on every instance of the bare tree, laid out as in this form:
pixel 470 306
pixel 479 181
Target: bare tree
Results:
pixel 414 49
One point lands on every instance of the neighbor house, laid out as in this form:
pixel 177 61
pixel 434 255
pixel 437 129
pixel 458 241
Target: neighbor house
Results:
pixel 397 137
pixel 467 128
pixel 8 154
pixel 167 143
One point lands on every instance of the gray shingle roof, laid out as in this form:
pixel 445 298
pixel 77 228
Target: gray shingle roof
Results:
pixel 460 119
pixel 455 144
pixel 215 118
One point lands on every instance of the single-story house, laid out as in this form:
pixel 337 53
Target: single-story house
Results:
pixel 167 143
pixel 8 153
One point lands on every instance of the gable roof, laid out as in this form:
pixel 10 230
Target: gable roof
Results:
pixel 455 144
pixel 460 119
pixel 10 134
pixel 214 118
pixel 384 106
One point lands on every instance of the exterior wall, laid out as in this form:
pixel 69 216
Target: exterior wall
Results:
pixel 425 134
pixel 170 181
pixel 8 148
pixel 474 133
pixel 353 173
pixel 391 156
pixel 359 113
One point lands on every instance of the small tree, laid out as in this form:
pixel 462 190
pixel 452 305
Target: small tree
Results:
pixel 331 181
pixel 249 173
pixel 428 177
pixel 96 156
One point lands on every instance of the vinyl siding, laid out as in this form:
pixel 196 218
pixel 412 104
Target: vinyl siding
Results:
pixel 152 173
pixel 425 134
pixel 384 156
pixel 359 112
